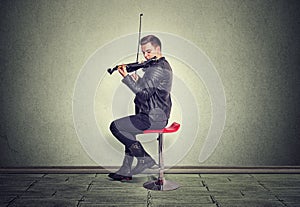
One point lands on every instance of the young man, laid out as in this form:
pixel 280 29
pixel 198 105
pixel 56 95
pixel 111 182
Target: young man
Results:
pixel 153 106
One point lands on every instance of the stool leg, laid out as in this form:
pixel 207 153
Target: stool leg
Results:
pixel 161 184
pixel 161 159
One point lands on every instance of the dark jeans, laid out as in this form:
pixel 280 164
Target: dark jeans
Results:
pixel 125 129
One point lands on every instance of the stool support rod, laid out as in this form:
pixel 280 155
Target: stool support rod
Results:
pixel 161 159
pixel 161 184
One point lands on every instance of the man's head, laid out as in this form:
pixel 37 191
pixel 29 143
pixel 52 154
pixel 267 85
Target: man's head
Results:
pixel 151 46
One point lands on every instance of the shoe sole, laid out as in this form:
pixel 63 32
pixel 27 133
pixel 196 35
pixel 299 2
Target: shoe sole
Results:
pixel 120 178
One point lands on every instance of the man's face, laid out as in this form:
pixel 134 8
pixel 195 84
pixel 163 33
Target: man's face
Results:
pixel 150 51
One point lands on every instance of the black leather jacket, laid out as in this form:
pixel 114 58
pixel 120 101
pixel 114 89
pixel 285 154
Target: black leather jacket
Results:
pixel 153 90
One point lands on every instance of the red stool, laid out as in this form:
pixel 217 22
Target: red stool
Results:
pixel 161 184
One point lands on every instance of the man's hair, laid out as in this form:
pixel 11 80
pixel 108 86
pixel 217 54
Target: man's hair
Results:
pixel 152 39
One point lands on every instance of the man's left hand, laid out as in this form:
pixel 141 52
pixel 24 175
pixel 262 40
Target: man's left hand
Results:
pixel 122 70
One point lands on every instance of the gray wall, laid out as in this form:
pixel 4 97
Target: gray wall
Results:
pixel 254 46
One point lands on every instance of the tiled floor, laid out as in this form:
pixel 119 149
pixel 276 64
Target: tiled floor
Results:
pixel 207 190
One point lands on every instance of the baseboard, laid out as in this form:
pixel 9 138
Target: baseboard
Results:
pixel 172 170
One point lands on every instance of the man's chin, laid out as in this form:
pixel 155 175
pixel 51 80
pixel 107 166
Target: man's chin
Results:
pixel 148 58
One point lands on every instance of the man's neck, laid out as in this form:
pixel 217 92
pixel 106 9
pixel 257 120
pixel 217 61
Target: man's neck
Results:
pixel 159 56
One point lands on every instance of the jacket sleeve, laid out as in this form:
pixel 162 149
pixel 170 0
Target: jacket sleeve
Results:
pixel 150 84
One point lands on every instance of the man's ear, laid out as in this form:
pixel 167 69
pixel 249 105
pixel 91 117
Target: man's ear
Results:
pixel 158 49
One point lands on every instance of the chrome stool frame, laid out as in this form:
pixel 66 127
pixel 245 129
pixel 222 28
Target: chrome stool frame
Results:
pixel 161 184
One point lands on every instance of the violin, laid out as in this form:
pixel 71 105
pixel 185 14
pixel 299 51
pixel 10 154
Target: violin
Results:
pixel 131 67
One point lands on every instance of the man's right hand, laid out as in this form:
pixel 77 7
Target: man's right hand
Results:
pixel 135 76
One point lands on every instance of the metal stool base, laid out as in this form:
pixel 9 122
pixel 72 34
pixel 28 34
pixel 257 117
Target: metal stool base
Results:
pixel 167 185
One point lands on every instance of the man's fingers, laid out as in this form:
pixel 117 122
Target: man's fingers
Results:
pixel 122 70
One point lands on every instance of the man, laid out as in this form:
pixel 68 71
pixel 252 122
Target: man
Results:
pixel 153 105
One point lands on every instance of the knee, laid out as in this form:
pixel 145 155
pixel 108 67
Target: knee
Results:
pixel 113 128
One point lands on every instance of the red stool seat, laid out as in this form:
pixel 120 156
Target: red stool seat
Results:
pixel 173 128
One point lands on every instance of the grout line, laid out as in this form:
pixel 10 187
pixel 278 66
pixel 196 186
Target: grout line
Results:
pixel 53 194
pixel 214 200
pixel 205 185
pixel 80 200
pixel 32 184
pixel 12 200
pixel 149 199
pixel 276 196
pixel 261 184
pixel 280 200
pixel 90 186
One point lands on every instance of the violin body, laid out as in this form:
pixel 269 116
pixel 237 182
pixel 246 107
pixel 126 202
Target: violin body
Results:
pixel 131 67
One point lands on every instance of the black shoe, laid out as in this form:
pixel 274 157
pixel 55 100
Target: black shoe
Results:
pixel 118 177
pixel 124 173
pixel 144 159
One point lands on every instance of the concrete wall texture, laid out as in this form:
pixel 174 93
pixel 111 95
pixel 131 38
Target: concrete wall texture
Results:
pixel 254 46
